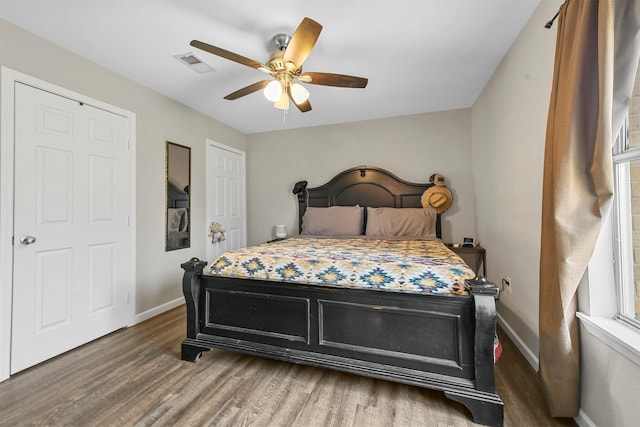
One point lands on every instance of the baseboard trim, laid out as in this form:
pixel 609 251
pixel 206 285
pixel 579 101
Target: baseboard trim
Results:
pixel 583 420
pixel 141 317
pixel 524 349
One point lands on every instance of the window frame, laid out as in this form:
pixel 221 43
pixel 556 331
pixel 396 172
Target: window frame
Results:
pixel 601 292
pixel 623 250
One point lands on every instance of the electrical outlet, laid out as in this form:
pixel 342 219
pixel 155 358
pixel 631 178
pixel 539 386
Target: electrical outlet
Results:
pixel 506 284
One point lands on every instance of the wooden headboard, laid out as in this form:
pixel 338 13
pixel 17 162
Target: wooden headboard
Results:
pixel 367 186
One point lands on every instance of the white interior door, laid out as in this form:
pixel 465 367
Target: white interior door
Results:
pixel 72 238
pixel 226 197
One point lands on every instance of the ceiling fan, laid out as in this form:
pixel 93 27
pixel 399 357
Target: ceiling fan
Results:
pixel 285 66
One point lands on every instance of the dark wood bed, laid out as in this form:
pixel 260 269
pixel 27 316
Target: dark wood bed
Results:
pixel 433 341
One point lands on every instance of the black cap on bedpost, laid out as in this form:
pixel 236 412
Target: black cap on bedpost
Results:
pixel 194 264
pixel 299 190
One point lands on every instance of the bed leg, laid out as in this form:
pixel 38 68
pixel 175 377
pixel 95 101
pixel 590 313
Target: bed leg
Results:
pixel 191 290
pixel 485 405
pixel 191 352
pixel 485 314
pixel 487 410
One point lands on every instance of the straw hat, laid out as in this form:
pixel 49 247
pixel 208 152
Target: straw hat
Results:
pixel 437 179
pixel 438 197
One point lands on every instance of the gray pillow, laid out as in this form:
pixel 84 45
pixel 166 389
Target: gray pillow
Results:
pixel 401 222
pixel 332 221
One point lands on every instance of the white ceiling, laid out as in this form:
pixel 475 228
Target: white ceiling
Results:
pixel 419 55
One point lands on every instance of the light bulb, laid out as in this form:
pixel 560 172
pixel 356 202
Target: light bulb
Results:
pixel 273 91
pixel 299 93
pixel 283 102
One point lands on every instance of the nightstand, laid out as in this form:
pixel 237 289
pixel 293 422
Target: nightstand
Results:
pixel 474 256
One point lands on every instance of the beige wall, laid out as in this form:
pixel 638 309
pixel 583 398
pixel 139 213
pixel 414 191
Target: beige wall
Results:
pixel 159 119
pixel 508 133
pixel 412 147
pixel 610 384
pixel 509 124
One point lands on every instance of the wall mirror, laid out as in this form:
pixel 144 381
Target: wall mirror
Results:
pixel 178 167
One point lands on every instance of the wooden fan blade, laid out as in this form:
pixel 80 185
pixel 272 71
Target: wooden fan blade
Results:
pixel 247 90
pixel 303 106
pixel 302 41
pixel 227 54
pixel 330 79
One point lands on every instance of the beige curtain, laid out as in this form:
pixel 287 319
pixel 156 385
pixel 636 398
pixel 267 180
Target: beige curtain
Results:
pixel 596 58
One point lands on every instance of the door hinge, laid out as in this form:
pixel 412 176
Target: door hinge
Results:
pixel 128 297
pixel 128 221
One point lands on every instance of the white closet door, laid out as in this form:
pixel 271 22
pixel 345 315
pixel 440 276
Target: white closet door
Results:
pixel 226 197
pixel 72 238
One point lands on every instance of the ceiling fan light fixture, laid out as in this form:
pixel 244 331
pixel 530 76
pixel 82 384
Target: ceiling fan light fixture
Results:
pixel 273 91
pixel 299 93
pixel 283 102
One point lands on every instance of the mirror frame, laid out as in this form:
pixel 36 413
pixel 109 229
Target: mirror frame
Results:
pixel 178 197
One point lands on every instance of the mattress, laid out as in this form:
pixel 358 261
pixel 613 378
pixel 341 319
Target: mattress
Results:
pixel 410 266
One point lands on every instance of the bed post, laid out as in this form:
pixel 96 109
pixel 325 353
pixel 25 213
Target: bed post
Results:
pixel 300 190
pixel 191 289
pixel 484 403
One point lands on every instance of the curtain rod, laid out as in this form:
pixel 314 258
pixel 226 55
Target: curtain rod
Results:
pixel 549 23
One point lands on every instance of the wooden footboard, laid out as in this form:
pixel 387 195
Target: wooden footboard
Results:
pixel 438 342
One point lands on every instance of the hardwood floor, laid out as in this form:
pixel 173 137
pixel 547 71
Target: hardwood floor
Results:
pixel 135 377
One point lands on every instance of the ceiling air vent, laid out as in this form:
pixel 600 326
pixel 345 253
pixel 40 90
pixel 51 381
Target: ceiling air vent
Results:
pixel 193 62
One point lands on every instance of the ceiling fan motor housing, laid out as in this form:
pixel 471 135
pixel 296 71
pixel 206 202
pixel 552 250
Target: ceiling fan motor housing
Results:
pixel 281 41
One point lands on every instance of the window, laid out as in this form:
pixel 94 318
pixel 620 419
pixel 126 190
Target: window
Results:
pixel 626 158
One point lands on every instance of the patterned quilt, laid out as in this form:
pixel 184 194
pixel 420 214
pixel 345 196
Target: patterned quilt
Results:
pixel 416 266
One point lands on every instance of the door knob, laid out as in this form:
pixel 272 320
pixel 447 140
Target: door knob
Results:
pixel 27 240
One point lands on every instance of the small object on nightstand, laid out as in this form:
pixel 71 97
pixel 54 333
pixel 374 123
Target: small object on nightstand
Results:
pixel 281 231
pixel 467 242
